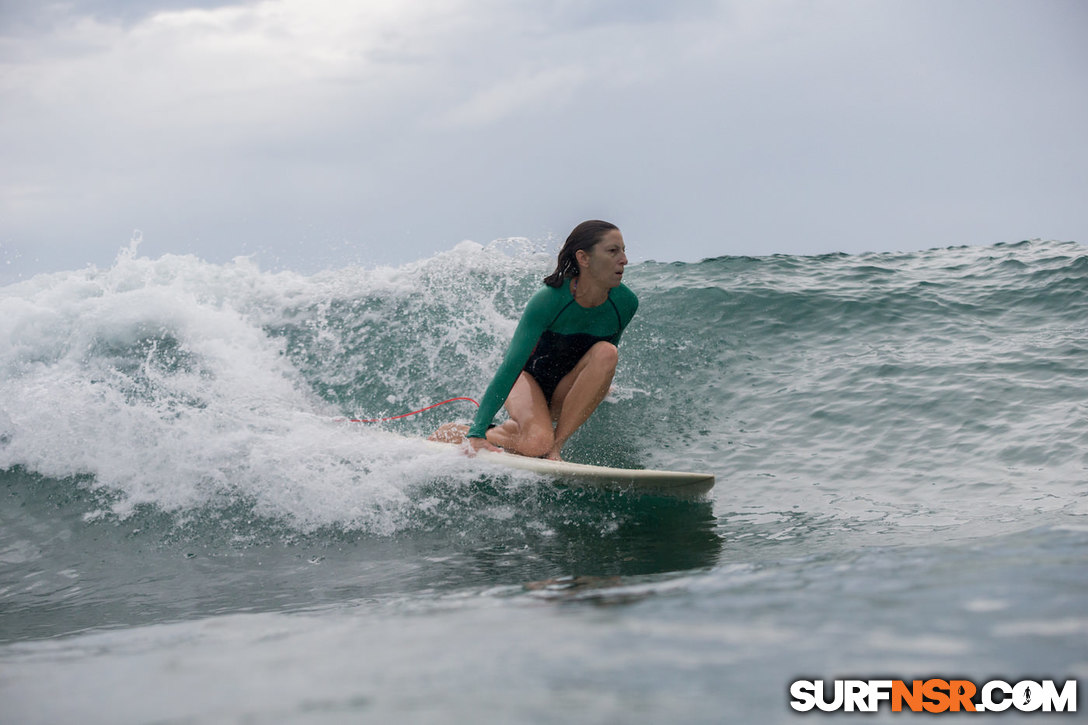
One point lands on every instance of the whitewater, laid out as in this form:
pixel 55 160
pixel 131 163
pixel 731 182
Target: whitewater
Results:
pixel 191 531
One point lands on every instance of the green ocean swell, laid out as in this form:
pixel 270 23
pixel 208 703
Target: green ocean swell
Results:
pixel 948 367
pixel 886 357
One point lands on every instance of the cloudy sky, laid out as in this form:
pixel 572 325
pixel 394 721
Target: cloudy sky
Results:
pixel 323 132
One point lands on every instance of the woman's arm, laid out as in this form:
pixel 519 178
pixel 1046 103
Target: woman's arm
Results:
pixel 532 324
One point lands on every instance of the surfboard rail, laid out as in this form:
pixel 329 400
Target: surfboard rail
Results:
pixel 644 480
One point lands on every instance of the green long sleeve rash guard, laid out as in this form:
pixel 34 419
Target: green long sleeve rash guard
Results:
pixel 553 309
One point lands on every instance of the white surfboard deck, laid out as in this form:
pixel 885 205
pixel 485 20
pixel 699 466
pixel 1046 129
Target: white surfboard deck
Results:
pixel 672 483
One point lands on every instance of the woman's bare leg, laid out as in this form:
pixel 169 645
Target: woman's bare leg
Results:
pixel 580 392
pixel 529 430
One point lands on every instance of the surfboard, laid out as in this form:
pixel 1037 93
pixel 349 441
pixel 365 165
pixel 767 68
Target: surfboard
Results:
pixel 681 484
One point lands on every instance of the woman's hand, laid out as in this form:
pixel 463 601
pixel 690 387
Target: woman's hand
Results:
pixel 472 445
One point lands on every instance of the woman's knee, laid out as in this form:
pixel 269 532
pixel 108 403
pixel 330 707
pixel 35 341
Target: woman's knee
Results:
pixel 604 354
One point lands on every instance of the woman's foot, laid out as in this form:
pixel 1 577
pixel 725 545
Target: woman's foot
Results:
pixel 449 433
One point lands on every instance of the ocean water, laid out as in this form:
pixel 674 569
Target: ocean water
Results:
pixel 190 533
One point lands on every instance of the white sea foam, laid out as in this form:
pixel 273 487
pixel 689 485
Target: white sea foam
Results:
pixel 158 380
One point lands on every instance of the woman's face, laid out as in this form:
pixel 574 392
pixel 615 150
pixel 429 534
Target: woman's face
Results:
pixel 605 260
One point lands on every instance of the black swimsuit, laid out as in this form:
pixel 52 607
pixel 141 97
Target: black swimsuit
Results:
pixel 555 356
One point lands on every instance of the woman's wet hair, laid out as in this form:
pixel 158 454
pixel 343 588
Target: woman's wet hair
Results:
pixel 584 236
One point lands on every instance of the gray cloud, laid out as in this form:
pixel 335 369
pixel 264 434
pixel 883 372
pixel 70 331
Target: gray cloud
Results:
pixel 19 16
pixel 322 132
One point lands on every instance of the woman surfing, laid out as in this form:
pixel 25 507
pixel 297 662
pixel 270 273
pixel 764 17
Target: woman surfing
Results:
pixel 561 360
